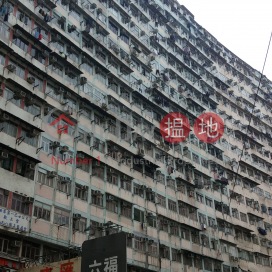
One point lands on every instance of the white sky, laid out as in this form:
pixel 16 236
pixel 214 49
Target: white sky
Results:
pixel 243 26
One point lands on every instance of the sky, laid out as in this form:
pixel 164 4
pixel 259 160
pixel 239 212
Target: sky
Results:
pixel 243 26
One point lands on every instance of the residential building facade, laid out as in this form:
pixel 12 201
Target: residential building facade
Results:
pixel 84 86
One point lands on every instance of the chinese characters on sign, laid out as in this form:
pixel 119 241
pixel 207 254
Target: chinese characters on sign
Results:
pixel 175 127
pixel 110 265
pixel 66 267
pixel 14 220
pixel 105 254
pixel 208 127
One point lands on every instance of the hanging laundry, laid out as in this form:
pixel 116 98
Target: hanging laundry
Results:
pixel 36 34
pixel 26 20
pixel 46 18
pixel 6 17
pixel 40 37
pixel 3 10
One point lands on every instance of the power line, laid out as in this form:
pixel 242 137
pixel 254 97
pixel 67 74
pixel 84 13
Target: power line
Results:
pixel 251 115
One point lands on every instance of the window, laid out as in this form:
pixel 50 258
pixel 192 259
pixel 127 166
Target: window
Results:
pixel 33 109
pixel 124 38
pixel 139 244
pixel 42 211
pixel 97 198
pixel 101 77
pixel 63 185
pixel 9 128
pixel 38 55
pixel 202 218
pixel 172 205
pixel 199 198
pixel 153 249
pixel 4 245
pixel 138 215
pixel 137 190
pixel 113 28
pixel 3 198
pixel 2 59
pixel 44 179
pixel 126 209
pixel 112 204
pixel 20 43
pixel 30 250
pixel 211 222
pixel 126 184
pixel 174 229
pixel 81 192
pixel 161 200
pixel 209 202
pixel 46 145
pixel 28 138
pixel 112 178
pixel 175 255
pixel 80 224
pixel 19 205
pixel 61 217
pixel 7 163
pixel 243 217
pixel 23 168
pixel 87 67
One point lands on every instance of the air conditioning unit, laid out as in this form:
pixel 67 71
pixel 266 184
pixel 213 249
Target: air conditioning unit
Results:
pixel 130 235
pixel 76 216
pixel 4 155
pixel 96 192
pixel 191 194
pixel 71 28
pixel 19 95
pixel 33 133
pixel 149 214
pixel 29 200
pixel 54 144
pixel 63 149
pixel 52 174
pixel 29 101
pixel 64 180
pixel 53 59
pixel 4 116
pixel 83 81
pixel 110 198
pixel 61 20
pixel 31 80
pixel 11 68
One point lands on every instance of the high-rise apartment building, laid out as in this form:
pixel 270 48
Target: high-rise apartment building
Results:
pixel 84 86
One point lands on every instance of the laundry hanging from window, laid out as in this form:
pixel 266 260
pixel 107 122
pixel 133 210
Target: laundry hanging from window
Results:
pixel 5 10
pixel 38 34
